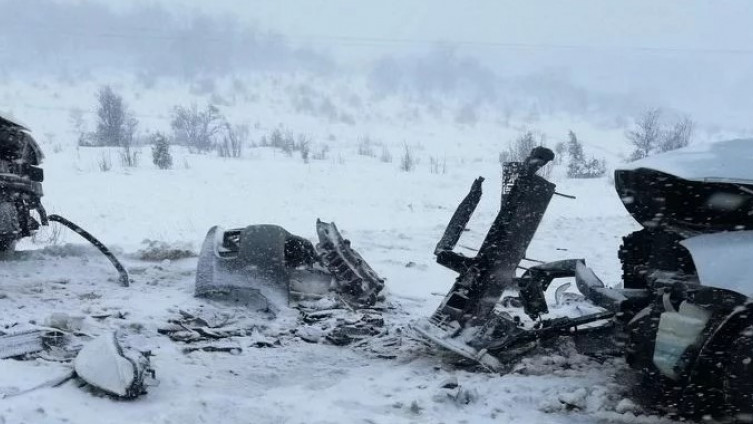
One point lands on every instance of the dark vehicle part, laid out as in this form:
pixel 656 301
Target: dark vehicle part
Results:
pixel 20 184
pixel 692 343
pixel 21 193
pixel 265 267
pixel 684 318
pixel 354 277
pixel 466 321
pixel 122 272
pixel 483 278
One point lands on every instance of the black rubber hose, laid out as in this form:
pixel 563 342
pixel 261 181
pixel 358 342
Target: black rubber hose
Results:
pixel 124 279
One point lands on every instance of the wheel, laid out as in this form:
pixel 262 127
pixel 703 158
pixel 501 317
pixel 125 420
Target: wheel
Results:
pixel 738 378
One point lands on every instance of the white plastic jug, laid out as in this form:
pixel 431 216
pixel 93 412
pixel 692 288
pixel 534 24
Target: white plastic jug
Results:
pixel 678 330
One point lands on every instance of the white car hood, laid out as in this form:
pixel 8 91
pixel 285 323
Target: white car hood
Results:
pixel 728 161
pixel 724 260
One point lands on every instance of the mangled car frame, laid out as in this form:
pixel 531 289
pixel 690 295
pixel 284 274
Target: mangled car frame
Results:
pixel 683 317
pixel 21 193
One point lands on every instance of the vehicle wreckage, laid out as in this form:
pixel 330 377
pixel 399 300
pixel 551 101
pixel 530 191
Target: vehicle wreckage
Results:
pixel 21 193
pixel 682 317
pixel 107 362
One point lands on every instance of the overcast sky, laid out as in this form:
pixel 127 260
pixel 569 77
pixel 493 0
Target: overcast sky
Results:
pixel 668 23
pixel 695 56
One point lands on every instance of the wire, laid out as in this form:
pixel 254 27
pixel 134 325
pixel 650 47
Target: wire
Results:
pixel 146 33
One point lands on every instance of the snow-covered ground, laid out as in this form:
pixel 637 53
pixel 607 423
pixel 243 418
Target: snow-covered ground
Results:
pixel 393 218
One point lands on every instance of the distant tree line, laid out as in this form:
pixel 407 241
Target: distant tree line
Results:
pixel 201 130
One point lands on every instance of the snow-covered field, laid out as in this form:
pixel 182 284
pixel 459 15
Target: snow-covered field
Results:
pixel 393 218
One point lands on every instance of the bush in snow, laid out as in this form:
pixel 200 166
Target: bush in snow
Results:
pixel 115 125
pixel 646 134
pixel 677 136
pixel 407 160
pixel 521 147
pixel 437 166
pixel 386 156
pixel 233 139
pixel 161 156
pixel 104 162
pixel 196 128
pixel 284 141
pixel 650 135
pixel 366 147
pixel 322 153
pixel 579 166
pixel 304 146
pixel 129 153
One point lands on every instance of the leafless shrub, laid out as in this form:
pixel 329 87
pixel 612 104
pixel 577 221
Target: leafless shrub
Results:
pixel 196 128
pixel 678 135
pixel 386 156
pixel 366 147
pixel 284 141
pixel 114 123
pixel 407 160
pixel 322 153
pixel 304 146
pixel 129 153
pixel 645 137
pixel 519 149
pixel 437 166
pixel 233 139
pixel 104 162
pixel 650 135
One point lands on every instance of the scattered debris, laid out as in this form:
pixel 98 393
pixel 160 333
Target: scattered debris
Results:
pixel 683 318
pixel 15 343
pixel 21 193
pixel 264 267
pixel 158 251
pixel 110 364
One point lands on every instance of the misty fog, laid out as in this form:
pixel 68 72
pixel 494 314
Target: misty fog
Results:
pixel 583 58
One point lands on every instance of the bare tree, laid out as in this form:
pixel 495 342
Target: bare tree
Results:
pixel 521 147
pixel 647 134
pixel 407 161
pixel 196 128
pixel 678 136
pixel 304 146
pixel 129 153
pixel 113 119
pixel 233 139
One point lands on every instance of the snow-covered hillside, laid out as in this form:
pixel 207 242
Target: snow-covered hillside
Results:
pixel 393 218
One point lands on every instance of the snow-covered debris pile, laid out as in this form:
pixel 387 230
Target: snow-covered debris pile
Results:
pixel 157 251
pixel 111 364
